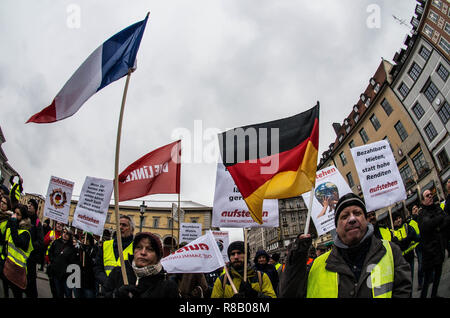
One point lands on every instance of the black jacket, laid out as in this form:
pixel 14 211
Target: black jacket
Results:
pixel 433 226
pixel 61 255
pixel 154 286
pixel 267 268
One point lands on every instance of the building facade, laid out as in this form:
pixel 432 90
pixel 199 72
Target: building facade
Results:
pixel 6 171
pixel 420 80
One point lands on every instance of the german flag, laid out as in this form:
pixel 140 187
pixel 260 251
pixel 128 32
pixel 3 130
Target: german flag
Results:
pixel 273 160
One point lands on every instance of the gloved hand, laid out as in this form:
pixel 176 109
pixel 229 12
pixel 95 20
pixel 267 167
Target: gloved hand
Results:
pixel 126 291
pixel 247 290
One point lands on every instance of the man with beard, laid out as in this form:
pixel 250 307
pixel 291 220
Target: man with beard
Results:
pixel 258 284
pixel 359 265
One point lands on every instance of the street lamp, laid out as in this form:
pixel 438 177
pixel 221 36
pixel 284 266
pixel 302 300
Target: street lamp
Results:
pixel 142 209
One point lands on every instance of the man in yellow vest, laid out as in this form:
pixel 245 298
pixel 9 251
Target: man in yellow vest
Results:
pixel 359 265
pixel 108 256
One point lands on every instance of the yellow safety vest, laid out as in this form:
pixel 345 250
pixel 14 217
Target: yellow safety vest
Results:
pixel 401 234
pixel 52 233
pixel 323 283
pixel 15 254
pixel 17 191
pixel 3 231
pixel 385 234
pixel 109 260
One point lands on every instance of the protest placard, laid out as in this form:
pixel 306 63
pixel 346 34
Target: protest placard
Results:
pixel 223 240
pixel 200 256
pixel 378 174
pixel 92 208
pixel 230 209
pixel 190 231
pixel 330 186
pixel 57 202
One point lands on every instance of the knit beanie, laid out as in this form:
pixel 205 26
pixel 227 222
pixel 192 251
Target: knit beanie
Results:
pixel 348 200
pixel 237 245
pixel 155 242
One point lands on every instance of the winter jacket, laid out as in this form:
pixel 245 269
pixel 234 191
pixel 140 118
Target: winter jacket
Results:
pixel 262 289
pixel 61 254
pixel 294 281
pixel 153 286
pixel 267 268
pixel 433 226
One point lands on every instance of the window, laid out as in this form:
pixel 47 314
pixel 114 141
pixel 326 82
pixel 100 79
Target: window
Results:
pixel 351 144
pixel 343 158
pixel 430 131
pixel 447 28
pixel 444 112
pixel 444 45
pixel 363 135
pixel 414 71
pixel 418 110
pixel 155 222
pixel 374 120
pixel 433 16
pixel 407 176
pixel 437 4
pixel 386 106
pixel 428 30
pixel 401 131
pixel 424 53
pixel 443 159
pixel 431 91
pixel 403 89
pixel 420 164
pixel 351 183
pixel 442 72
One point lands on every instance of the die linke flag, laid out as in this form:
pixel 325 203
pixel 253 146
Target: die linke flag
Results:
pixel 109 62
pixel 155 173
pixel 273 160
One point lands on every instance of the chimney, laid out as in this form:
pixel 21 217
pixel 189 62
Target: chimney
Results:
pixel 336 127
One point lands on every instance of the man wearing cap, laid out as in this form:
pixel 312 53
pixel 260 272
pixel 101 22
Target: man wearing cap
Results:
pixel 146 276
pixel 359 265
pixel 258 284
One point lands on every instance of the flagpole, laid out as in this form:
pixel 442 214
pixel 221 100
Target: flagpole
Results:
pixel 116 181
pixel 308 217
pixel 245 254
pixel 179 218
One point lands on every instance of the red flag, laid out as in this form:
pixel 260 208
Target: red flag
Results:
pixel 156 172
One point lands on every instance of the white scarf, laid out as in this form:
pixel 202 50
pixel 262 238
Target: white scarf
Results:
pixel 146 270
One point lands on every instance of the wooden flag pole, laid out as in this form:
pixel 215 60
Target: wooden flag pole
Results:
pixel 116 181
pixel 233 287
pixel 390 216
pixel 245 254
pixel 179 218
pixel 308 217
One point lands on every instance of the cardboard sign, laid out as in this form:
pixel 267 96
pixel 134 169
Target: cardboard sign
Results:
pixel 190 231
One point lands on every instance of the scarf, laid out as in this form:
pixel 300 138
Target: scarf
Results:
pixel 146 270
pixel 340 244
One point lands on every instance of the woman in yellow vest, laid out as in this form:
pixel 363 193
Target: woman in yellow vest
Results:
pixel 359 265
pixel 18 242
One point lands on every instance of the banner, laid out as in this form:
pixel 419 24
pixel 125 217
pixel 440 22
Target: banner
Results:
pixel 190 231
pixel 57 202
pixel 230 209
pixel 92 208
pixel 223 240
pixel 154 173
pixel 200 256
pixel 378 174
pixel 330 186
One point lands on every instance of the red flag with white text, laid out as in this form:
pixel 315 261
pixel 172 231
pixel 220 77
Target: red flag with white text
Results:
pixel 155 173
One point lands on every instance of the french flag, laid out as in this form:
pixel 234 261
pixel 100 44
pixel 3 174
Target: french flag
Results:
pixel 109 62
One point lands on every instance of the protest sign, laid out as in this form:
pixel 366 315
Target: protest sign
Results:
pixel 230 209
pixel 378 174
pixel 57 202
pixel 223 240
pixel 190 231
pixel 92 208
pixel 330 186
pixel 199 256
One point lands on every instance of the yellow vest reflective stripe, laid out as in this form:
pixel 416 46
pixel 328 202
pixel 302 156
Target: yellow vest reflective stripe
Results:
pixel 109 260
pixel 385 234
pixel 15 254
pixel 323 283
pixel 17 191
pixel 52 233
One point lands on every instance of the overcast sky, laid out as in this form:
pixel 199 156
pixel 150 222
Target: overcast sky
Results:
pixel 207 64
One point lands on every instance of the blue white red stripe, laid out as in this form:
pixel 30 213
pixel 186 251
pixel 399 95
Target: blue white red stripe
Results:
pixel 109 62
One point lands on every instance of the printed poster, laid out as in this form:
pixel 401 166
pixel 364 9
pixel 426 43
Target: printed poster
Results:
pixel 57 202
pixel 330 186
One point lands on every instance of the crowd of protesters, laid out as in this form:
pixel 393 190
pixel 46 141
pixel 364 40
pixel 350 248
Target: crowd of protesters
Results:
pixel 80 265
